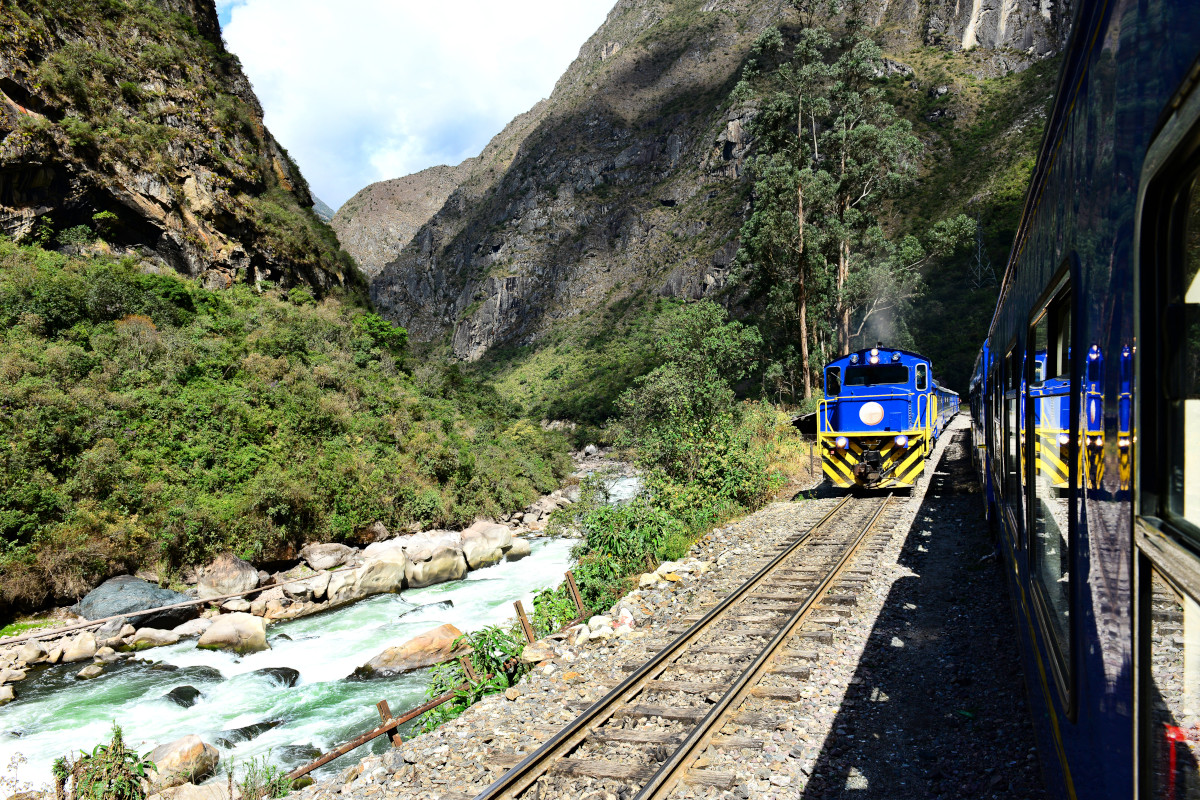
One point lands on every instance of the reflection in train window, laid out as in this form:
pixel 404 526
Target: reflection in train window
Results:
pixel 1172 692
pixel 833 381
pixel 1181 367
pixel 1013 435
pixel 1047 404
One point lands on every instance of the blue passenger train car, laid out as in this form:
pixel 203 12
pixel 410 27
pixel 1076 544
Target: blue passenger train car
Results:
pixel 880 417
pixel 1086 398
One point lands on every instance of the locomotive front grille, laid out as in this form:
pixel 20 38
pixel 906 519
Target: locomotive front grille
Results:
pixel 872 462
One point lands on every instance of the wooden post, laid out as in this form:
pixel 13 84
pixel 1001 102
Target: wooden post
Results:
pixel 571 585
pixel 468 669
pixel 525 626
pixel 385 713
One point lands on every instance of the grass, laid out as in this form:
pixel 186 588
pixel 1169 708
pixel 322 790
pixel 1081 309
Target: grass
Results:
pixel 24 626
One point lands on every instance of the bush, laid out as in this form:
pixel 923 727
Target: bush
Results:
pixel 495 658
pixel 146 419
pixel 109 772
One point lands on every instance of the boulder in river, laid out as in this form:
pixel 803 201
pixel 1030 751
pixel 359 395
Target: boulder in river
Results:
pixel 81 648
pixel 485 543
pixel 125 594
pixel 183 760
pixel 284 676
pixel 326 556
pixel 313 589
pixel 381 575
pixel 145 638
pixel 227 574
pixel 89 672
pixel 520 548
pixel 246 733
pixel 241 633
pixel 440 605
pixel 185 696
pixel 6 695
pixel 433 557
pixel 429 648
pixel 192 628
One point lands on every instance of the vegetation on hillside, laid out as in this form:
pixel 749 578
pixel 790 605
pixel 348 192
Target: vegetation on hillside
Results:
pixel 150 422
pixel 136 96
pixel 705 458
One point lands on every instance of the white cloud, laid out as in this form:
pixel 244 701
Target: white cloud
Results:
pixel 364 90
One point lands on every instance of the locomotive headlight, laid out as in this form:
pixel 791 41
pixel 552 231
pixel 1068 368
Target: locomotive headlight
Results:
pixel 874 351
pixel 854 358
pixel 841 442
pixel 901 441
pixel 871 413
pixel 1123 442
pixel 874 359
pixel 1064 439
pixel 895 356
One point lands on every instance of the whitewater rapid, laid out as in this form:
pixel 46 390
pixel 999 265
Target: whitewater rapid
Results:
pixel 55 713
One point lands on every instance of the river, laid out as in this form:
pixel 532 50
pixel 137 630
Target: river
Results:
pixel 55 713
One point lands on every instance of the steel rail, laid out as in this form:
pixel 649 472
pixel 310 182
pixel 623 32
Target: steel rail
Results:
pixel 537 763
pixel 663 782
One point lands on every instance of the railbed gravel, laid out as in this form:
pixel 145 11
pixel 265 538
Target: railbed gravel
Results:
pixel 919 694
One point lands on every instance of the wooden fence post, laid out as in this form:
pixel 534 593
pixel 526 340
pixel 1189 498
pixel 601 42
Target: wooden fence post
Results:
pixel 525 626
pixel 571 585
pixel 468 669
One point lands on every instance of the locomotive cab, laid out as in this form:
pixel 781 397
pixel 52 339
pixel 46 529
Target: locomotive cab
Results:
pixel 881 414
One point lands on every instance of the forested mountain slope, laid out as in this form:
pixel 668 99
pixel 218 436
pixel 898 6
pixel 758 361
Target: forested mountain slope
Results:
pixel 633 180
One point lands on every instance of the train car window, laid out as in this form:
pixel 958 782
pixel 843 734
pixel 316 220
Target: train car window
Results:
pixel 922 377
pixel 1013 435
pixel 1180 360
pixel 1048 426
pixel 1171 691
pixel 876 374
pixel 833 381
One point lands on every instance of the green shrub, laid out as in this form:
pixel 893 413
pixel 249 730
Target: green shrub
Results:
pixel 146 419
pixel 110 772
pixel 495 658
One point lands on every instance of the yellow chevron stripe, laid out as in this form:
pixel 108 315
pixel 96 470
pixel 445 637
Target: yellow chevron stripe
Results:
pixel 839 467
pixel 837 479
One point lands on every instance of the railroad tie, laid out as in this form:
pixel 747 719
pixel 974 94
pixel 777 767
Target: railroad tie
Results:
pixel 599 768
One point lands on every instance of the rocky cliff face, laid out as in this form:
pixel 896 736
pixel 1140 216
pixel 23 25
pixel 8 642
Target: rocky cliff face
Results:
pixel 375 224
pixel 630 180
pixel 131 122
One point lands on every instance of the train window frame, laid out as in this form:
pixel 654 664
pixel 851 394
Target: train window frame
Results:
pixel 922 378
pixel 1056 308
pixel 1012 475
pixel 1170 546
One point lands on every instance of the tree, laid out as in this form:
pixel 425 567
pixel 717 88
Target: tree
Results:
pixel 831 150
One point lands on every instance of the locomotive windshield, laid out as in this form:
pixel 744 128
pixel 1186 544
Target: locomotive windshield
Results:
pixel 876 374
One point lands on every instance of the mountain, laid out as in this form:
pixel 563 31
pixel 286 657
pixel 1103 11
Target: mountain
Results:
pixel 322 210
pixel 630 182
pixel 128 120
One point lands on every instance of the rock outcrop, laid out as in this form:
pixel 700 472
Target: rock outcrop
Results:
pixel 429 648
pixel 183 760
pixel 434 557
pixel 485 543
pixel 612 188
pixel 125 595
pixel 165 157
pixel 376 223
pixel 239 632
pixel 226 575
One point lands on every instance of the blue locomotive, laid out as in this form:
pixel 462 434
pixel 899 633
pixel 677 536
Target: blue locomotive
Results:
pixel 1086 406
pixel 880 417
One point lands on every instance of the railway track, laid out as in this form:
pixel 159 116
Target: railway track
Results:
pixel 650 732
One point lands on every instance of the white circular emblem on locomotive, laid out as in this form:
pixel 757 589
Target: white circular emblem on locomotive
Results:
pixel 871 413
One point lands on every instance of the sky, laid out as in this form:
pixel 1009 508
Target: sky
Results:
pixel 364 90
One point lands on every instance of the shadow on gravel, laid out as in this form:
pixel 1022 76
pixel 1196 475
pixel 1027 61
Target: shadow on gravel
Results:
pixel 936 707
